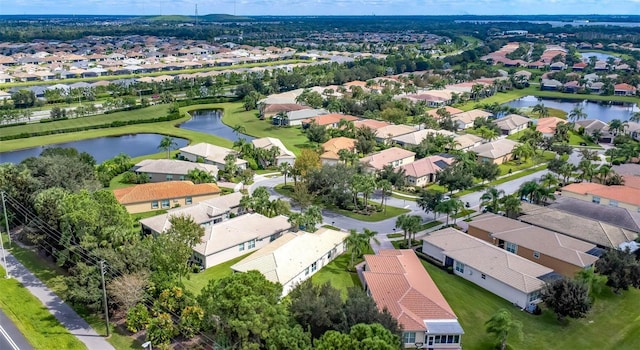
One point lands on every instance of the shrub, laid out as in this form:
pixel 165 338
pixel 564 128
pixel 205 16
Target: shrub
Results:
pixel 129 178
pixel 161 329
pixel 191 321
pixel 137 318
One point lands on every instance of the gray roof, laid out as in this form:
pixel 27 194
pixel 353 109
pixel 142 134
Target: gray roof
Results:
pixel 512 121
pixel 172 166
pixel 627 169
pixel 611 215
pixel 443 327
pixel 306 113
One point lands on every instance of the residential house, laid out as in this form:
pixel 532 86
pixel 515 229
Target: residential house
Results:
pixel 416 137
pixel 328 120
pixel 625 196
pixel 547 126
pixel 616 216
pixel 526 75
pixel 385 134
pixel 238 236
pixel 467 141
pixel 465 120
pixel 205 213
pixel 580 66
pixel 210 154
pixel 160 170
pixel 398 282
pixel 332 148
pixel 505 274
pixel 451 110
pixel 393 156
pixel 512 123
pixel 558 66
pixel 600 233
pixel 564 254
pixel 295 256
pixel 591 126
pixel 550 84
pixel 164 195
pixel 497 152
pixel 370 123
pixel 596 87
pixel 571 87
pixel 624 89
pixel 424 171
pixel 294 118
pixel 268 143
pixel 633 130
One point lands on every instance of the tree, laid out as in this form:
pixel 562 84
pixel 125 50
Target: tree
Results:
pixel 541 109
pixel 448 207
pixel 429 200
pixel 199 176
pixel 317 308
pixel 356 244
pixel 577 113
pixel 548 180
pixel 174 247
pixel 307 161
pixel 523 151
pixel 161 329
pixel 361 308
pixel 317 133
pixel 167 144
pixel 385 189
pixel 502 324
pixel 567 298
pixel 486 171
pixel 617 126
pixel 362 336
pixel 592 280
pixel 239 129
pixel 128 290
pixel 455 178
pixel 409 224
pixel 285 168
pixel 620 267
pixel 490 199
pixel 511 205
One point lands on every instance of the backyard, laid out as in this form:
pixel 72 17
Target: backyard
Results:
pixel 197 281
pixel 613 322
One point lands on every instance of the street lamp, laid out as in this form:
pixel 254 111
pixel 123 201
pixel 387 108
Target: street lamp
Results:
pixel 147 345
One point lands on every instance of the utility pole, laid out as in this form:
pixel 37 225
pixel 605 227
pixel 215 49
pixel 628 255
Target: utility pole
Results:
pixel 104 295
pixel 4 259
pixel 6 218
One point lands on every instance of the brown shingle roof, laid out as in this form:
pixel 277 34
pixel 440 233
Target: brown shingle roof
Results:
pixel 163 190
pixel 397 281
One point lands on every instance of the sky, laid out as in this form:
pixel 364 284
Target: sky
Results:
pixel 321 7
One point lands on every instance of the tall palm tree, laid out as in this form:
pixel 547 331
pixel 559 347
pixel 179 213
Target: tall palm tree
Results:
pixel 490 199
pixel 239 129
pixel 285 168
pixel 408 224
pixel 385 188
pixel 577 113
pixel 167 144
pixel 618 126
pixel 549 180
pixel 446 207
pixel 511 205
pixel 541 109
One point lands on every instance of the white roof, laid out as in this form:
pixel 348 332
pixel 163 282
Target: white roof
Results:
pixel 240 229
pixel 495 149
pixel 416 137
pixel 269 142
pixel 211 152
pixel 172 166
pixel 512 121
pixel 498 263
pixel 286 257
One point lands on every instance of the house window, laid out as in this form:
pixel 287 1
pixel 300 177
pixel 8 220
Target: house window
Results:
pixel 534 296
pixel 306 271
pixel 169 177
pixel 409 337
pixel 188 200
pixel 241 246
pixel 595 199
pixel 511 247
pixel 613 203
pixel 181 177
pixel 251 244
pixel 536 255
pixel 459 267
pixel 483 276
pixel 314 266
pixel 154 205
pixel 166 203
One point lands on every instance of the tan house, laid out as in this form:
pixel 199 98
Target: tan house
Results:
pixel 452 110
pixel 210 154
pixel 238 236
pixel 623 196
pixel 465 120
pixel 284 156
pixel 414 138
pixel 564 254
pixel 329 120
pixel 393 156
pixel 164 195
pixel 467 141
pixel 547 126
pixel 512 123
pixel 497 152
pixel 269 110
pixel 424 171
pixel 332 148
pixel 397 281
pixel 385 134
pixel 160 170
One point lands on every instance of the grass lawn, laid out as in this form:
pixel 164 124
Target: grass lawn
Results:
pixel 575 140
pixel 37 324
pixel 463 213
pixel 377 216
pixel 613 322
pixel 395 235
pixel 501 180
pixel 429 225
pixel 500 98
pixel 519 165
pixel 47 272
pixel 337 275
pixel 292 137
pixel 197 281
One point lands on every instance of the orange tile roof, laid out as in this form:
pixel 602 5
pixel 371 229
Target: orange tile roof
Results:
pixel 338 143
pixel 624 194
pixel 397 281
pixel 452 110
pixel 632 181
pixel 624 86
pixel 548 125
pixel 163 190
pixel 373 124
pixel 328 119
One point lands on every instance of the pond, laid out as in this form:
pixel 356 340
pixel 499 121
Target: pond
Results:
pixel 599 55
pixel 594 110
pixel 101 148
pixel 210 122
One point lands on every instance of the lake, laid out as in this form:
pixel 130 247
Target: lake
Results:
pixel 210 122
pixel 594 110
pixel 101 148
pixel 599 55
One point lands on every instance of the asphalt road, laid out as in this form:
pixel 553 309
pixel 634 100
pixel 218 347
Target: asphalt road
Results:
pixel 10 336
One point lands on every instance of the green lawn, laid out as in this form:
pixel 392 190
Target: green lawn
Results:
pixel 463 213
pixel 395 235
pixel 199 280
pixel 429 225
pixel 575 140
pixel 377 216
pixel 612 324
pixel 501 180
pixel 337 275
pixel 514 165
pixel 47 272
pixel 37 324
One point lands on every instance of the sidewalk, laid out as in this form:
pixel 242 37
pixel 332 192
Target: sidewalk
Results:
pixel 64 313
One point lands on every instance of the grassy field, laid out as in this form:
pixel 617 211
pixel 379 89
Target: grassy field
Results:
pixel 47 272
pixel 337 275
pixel 35 322
pixel 612 324
pixel 514 165
pixel 199 280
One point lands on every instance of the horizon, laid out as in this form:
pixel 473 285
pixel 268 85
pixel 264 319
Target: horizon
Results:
pixel 286 8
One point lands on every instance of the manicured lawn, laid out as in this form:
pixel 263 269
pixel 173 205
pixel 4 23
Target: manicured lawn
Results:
pixel 377 216
pixel 463 213
pixel 139 216
pixel 47 272
pixel 613 322
pixel 37 324
pixel 395 235
pixel 500 98
pixel 514 165
pixel 199 280
pixel 337 275
pixel 501 180
pixel 292 137
pixel 576 140
pixel 428 225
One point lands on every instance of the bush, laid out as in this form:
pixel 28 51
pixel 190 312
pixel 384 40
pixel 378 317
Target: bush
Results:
pixel 137 318
pixel 161 329
pixel 129 178
pixel 191 321
pixel 253 165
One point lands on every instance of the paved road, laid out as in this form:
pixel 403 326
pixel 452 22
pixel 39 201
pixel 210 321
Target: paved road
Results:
pixel 10 336
pixel 58 308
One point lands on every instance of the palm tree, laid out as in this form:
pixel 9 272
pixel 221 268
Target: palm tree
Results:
pixel 198 176
pixel 635 117
pixel 385 188
pixel 239 129
pixel 603 173
pixel 285 168
pixel 577 113
pixel 357 243
pixel 488 134
pixel 501 324
pixel 523 151
pixel 490 199
pixel 511 205
pixel 409 224
pixel 167 144
pixel 617 126
pixel 446 207
pixel 549 180
pixel 541 109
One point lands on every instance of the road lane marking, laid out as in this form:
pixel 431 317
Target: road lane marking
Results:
pixel 11 342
